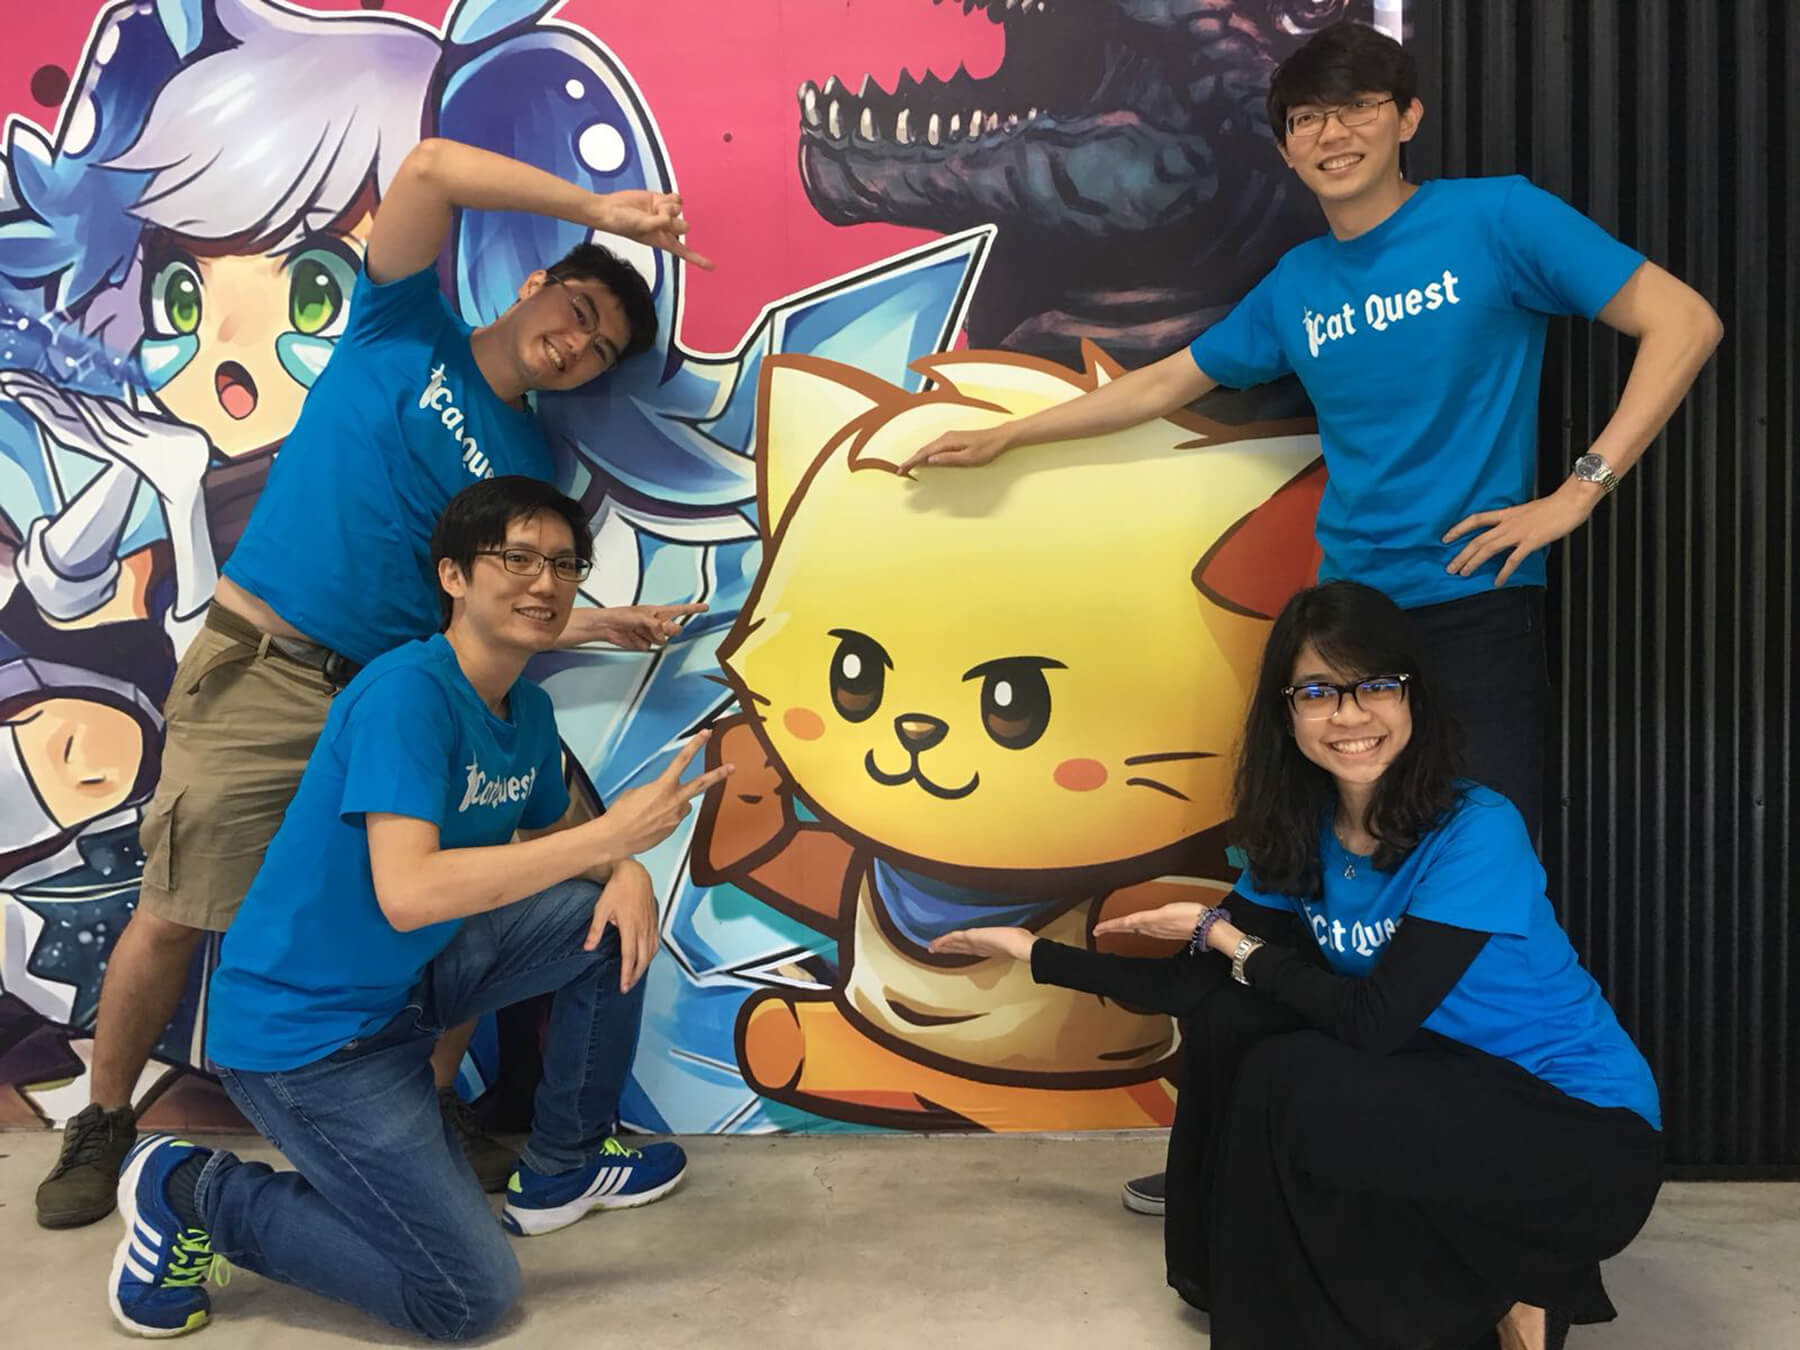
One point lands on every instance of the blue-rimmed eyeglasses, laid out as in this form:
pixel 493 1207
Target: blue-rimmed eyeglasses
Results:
pixel 1317 700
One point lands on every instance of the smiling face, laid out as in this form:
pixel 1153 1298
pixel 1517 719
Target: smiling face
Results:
pixel 1007 667
pixel 1357 743
pixel 232 341
pixel 1341 164
pixel 564 333
pixel 501 609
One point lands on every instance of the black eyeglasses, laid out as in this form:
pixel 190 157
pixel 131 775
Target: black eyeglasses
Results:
pixel 1318 700
pixel 528 562
pixel 1356 113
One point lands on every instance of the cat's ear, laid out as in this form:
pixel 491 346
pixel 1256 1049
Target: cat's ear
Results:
pixel 1259 564
pixel 803 407
pixel 1002 380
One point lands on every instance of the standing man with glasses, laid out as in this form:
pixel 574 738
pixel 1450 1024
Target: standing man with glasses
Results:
pixel 332 571
pixel 1416 324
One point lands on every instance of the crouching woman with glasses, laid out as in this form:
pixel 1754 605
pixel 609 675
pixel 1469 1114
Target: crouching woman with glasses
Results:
pixel 1408 1116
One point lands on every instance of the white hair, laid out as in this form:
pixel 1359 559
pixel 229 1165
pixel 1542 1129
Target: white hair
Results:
pixel 276 137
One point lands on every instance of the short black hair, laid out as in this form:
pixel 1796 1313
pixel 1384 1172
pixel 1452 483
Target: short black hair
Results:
pixel 477 517
pixel 595 262
pixel 1281 799
pixel 1335 65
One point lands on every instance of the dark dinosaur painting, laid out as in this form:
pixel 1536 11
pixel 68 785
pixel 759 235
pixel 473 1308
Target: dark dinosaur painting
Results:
pixel 1121 148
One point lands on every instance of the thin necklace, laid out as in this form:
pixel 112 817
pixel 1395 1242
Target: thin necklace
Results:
pixel 1349 857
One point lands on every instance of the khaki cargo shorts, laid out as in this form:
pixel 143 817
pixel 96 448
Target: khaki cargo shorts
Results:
pixel 242 720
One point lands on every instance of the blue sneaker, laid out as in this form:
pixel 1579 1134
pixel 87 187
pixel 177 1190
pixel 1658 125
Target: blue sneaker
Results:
pixel 159 1266
pixel 618 1178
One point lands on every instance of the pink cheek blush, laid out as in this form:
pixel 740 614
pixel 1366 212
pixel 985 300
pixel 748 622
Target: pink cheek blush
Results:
pixel 1080 775
pixel 804 723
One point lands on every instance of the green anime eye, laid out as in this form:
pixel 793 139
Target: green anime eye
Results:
pixel 174 299
pixel 319 284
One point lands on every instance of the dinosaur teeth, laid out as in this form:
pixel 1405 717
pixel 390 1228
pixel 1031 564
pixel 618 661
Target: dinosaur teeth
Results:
pixel 902 129
pixel 931 129
pixel 955 125
pixel 865 125
pixel 975 125
pixel 834 121
pixel 993 123
pixel 809 103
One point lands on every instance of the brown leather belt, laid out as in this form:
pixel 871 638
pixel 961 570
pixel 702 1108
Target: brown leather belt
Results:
pixel 335 667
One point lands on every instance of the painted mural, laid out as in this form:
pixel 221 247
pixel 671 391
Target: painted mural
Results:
pixel 1017 200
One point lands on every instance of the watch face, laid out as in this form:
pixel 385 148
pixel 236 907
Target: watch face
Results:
pixel 1590 467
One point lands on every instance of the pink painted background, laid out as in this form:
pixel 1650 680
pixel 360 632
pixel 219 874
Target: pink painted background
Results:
pixel 734 154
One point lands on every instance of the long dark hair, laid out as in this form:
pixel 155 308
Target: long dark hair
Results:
pixel 1282 799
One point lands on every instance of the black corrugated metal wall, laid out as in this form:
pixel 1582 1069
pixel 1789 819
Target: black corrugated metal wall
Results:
pixel 1670 839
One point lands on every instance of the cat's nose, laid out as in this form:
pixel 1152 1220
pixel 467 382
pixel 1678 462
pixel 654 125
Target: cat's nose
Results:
pixel 918 733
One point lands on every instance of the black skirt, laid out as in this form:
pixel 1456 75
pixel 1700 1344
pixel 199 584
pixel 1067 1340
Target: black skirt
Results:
pixel 1320 1196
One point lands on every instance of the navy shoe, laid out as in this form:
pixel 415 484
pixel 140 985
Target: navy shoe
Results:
pixel 617 1178
pixel 1144 1196
pixel 160 1265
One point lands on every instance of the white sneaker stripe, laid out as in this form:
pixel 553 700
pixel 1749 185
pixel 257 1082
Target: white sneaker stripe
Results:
pixel 621 1181
pixel 147 1255
pixel 145 1234
pixel 131 1264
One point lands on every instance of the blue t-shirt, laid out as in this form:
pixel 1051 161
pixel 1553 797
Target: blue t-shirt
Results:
pixel 1420 345
pixel 311 962
pixel 1525 997
pixel 399 422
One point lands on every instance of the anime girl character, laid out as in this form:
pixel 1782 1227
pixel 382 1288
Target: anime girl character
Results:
pixel 179 223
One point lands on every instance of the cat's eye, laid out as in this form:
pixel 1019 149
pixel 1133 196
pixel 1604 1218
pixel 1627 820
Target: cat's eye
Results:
pixel 858 675
pixel 1015 699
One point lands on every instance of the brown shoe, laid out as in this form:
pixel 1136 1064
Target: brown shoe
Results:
pixel 491 1160
pixel 83 1186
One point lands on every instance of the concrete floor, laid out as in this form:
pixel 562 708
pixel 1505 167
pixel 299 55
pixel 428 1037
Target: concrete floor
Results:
pixel 841 1243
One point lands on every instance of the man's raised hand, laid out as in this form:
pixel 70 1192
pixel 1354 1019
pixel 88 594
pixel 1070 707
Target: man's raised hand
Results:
pixel 642 817
pixel 653 218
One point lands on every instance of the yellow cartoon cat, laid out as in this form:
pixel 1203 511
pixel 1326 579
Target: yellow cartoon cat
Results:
pixel 1004 695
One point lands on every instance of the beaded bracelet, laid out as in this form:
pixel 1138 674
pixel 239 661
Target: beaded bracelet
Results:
pixel 1208 917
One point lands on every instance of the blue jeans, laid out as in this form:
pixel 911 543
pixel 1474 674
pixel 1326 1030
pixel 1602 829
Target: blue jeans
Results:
pixel 382 1211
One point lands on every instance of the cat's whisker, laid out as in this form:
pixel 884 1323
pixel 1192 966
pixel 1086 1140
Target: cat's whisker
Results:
pixel 1167 756
pixel 1159 787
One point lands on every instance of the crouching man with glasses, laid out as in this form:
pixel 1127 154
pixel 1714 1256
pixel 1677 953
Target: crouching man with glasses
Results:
pixel 424 875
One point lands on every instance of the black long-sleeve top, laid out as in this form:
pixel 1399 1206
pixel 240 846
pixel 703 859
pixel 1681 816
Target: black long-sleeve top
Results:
pixel 1378 1012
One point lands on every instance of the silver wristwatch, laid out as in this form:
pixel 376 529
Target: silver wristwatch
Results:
pixel 1245 946
pixel 1591 468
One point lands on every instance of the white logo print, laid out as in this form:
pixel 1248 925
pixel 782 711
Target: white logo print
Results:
pixel 1363 939
pixel 1380 311
pixel 439 398
pixel 485 791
